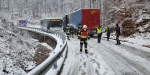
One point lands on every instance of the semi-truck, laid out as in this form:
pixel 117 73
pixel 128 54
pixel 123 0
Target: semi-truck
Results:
pixel 89 17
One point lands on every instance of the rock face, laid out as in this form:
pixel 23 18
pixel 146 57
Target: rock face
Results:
pixel 128 27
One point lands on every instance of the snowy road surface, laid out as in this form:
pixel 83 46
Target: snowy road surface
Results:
pixel 105 58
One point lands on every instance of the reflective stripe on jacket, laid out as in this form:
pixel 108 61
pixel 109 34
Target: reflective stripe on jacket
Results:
pixel 68 29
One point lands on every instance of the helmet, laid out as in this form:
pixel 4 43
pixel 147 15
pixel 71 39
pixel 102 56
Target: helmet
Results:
pixel 67 24
pixel 84 27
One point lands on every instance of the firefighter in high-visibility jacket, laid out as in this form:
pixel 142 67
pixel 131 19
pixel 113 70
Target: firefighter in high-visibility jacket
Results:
pixel 67 29
pixel 99 34
pixel 83 38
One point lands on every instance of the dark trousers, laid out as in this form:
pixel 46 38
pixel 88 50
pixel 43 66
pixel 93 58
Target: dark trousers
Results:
pixel 99 37
pixel 117 39
pixel 72 33
pixel 108 36
pixel 68 36
pixel 78 33
pixel 83 41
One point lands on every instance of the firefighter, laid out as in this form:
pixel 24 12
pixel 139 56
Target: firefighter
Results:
pixel 108 32
pixel 67 29
pixel 83 38
pixel 99 34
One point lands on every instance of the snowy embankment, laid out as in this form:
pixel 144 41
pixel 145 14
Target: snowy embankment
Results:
pixel 61 44
pixel 17 49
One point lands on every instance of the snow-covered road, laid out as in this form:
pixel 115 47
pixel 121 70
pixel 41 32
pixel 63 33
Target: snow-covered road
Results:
pixel 105 58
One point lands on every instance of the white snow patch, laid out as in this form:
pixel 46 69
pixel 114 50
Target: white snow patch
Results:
pixel 46 45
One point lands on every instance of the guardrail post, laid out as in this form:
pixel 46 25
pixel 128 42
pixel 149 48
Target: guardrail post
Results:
pixel 52 32
pixel 60 35
pixel 55 65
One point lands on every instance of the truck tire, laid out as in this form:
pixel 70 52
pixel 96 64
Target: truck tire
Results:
pixel 91 35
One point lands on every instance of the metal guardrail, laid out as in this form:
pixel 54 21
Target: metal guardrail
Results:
pixel 52 59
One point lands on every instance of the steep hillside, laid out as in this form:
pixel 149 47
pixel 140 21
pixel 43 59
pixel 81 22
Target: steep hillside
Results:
pixel 133 17
pixel 17 50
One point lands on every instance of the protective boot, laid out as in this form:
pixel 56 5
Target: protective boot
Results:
pixel 80 50
pixel 86 51
pixel 68 38
pixel 118 42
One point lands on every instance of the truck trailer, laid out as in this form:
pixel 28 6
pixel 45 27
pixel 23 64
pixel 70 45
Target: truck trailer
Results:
pixel 89 17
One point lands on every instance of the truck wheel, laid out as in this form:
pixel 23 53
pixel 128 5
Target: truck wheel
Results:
pixel 91 35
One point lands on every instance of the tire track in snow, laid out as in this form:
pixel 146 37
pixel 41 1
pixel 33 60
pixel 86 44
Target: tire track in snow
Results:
pixel 102 68
pixel 119 64
pixel 71 59
pixel 135 60
pixel 133 50
pixel 81 63
pixel 101 60
pixel 75 62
